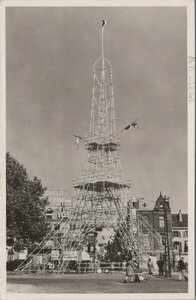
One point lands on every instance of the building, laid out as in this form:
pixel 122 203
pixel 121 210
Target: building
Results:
pixel 177 224
pixel 57 214
pixel 180 235
pixel 155 214
pixel 59 207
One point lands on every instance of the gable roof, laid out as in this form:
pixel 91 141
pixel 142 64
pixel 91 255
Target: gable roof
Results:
pixel 177 223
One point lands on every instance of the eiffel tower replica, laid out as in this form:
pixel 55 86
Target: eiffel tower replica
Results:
pixel 103 189
pixel 102 194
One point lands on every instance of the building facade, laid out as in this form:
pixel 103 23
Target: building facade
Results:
pixel 180 235
pixel 161 219
pixel 158 215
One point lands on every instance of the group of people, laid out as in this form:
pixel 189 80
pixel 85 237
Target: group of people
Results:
pixel 182 269
pixel 134 273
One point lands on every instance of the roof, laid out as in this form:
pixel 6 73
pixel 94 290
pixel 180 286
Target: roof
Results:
pixel 177 223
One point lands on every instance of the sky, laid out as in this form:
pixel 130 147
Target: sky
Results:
pixel 50 53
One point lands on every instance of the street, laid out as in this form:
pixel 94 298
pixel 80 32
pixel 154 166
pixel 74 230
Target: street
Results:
pixel 92 283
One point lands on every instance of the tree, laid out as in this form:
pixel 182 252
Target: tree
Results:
pixel 115 251
pixel 25 205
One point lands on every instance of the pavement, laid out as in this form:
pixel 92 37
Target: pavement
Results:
pixel 92 283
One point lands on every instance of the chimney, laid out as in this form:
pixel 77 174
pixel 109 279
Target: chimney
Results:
pixel 180 216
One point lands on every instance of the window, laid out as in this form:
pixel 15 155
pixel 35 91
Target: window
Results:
pixel 185 234
pixel 10 242
pixel 176 245
pixel 186 246
pixel 91 248
pixel 146 241
pixel 176 233
pixel 86 248
pixel 161 222
pixel 145 221
pixel 59 234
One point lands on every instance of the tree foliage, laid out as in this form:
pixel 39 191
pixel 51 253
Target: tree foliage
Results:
pixel 115 252
pixel 25 205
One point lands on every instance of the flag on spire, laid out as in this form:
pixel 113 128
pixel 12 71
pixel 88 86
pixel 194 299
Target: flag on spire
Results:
pixel 134 124
pixel 104 23
pixel 128 127
pixel 78 139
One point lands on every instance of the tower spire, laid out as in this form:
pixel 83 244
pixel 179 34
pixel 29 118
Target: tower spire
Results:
pixel 102 44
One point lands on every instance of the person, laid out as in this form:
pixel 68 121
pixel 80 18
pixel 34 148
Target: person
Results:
pixel 181 269
pixel 136 268
pixel 173 262
pixel 129 272
pixel 160 264
pixel 124 265
pixel 150 266
pixel 186 267
pixel 112 267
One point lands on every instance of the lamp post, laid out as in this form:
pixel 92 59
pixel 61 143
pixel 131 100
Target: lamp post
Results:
pixel 180 250
pixel 167 247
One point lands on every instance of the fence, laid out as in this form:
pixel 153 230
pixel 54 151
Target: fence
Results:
pixel 52 267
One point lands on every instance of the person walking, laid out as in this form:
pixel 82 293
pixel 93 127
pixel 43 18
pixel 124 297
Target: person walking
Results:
pixel 150 267
pixel 136 267
pixel 112 267
pixel 181 269
pixel 160 264
pixel 129 272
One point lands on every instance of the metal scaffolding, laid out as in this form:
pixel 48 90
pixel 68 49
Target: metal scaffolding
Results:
pixel 101 195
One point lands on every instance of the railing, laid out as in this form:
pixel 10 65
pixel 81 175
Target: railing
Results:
pixel 101 267
pixel 78 268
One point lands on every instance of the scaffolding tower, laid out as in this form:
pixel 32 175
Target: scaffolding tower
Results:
pixel 101 195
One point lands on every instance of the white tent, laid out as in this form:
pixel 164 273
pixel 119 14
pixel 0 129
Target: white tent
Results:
pixel 83 255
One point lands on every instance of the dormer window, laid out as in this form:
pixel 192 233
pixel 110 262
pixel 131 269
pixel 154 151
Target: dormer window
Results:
pixel 161 206
pixel 49 213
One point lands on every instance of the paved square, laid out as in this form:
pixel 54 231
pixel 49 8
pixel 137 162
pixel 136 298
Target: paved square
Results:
pixel 92 283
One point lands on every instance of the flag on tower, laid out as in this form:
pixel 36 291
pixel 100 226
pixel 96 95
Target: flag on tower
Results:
pixel 78 139
pixel 134 124
pixel 104 23
pixel 128 127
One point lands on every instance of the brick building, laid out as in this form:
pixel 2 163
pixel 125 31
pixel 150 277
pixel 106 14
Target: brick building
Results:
pixel 156 216
pixel 177 223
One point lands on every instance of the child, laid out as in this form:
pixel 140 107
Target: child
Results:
pixel 129 272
